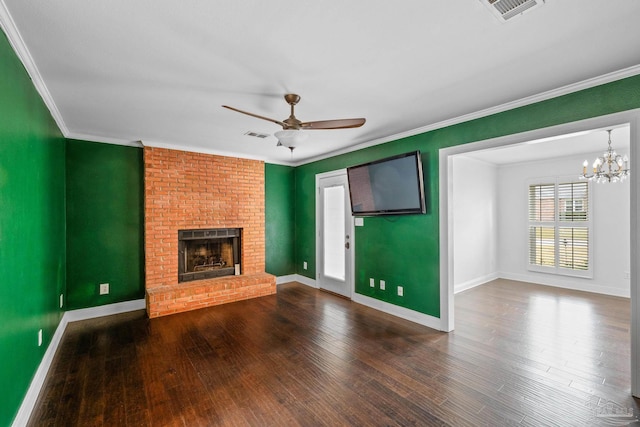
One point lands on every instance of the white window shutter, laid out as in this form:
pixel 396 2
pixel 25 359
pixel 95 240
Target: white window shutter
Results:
pixel 560 228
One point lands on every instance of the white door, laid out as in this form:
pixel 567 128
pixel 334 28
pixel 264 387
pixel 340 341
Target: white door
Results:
pixel 335 233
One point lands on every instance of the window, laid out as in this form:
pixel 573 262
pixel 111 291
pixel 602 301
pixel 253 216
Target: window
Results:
pixel 560 228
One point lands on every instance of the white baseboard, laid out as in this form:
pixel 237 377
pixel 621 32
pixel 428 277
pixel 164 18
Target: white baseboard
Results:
pixel 29 401
pixel 303 279
pixel 104 310
pixel 475 282
pixel 560 282
pixel 286 279
pixel 396 310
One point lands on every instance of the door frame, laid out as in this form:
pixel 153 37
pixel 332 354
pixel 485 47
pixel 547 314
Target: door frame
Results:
pixel 350 229
pixel 631 117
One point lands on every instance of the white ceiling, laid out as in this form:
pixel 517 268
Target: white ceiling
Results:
pixel 158 71
pixel 589 144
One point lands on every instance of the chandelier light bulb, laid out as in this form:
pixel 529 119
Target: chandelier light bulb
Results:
pixel 611 167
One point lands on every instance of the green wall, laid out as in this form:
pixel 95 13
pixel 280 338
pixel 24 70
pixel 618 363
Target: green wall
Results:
pixel 280 219
pixel 32 230
pixel 404 250
pixel 105 222
pixel 71 216
pixel 105 229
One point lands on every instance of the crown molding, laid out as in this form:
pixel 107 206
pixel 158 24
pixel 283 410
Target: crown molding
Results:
pixel 15 39
pixel 196 149
pixel 554 93
pixel 17 43
pixel 102 139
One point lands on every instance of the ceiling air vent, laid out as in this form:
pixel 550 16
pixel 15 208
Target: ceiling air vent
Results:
pixel 507 9
pixel 256 134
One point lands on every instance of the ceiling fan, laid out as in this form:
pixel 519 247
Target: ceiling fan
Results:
pixel 292 127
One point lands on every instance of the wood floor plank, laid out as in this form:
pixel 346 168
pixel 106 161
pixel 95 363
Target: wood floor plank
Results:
pixel 521 354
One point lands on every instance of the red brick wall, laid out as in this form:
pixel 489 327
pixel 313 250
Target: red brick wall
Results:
pixel 185 190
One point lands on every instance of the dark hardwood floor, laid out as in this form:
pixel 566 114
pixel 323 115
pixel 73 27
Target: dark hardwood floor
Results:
pixel 521 354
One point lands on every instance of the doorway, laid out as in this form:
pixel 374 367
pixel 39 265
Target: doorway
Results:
pixel 334 224
pixel 445 214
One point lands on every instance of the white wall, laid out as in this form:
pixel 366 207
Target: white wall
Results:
pixel 475 235
pixel 611 227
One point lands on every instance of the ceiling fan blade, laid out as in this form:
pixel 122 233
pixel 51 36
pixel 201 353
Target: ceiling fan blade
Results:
pixel 257 116
pixel 333 124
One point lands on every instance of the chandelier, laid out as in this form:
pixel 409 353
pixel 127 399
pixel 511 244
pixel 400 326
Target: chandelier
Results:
pixel 611 167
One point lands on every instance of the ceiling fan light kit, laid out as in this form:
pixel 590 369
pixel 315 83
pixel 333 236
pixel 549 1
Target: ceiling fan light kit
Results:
pixel 292 128
pixel 290 138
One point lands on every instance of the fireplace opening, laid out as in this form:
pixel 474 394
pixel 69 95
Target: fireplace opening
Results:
pixel 204 254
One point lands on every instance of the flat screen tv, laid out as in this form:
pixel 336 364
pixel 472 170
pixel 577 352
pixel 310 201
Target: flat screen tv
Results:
pixel 390 186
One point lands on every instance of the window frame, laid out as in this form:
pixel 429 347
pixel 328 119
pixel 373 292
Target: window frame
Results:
pixel 558 224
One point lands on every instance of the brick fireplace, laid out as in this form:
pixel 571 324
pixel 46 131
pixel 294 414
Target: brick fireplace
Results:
pixel 192 191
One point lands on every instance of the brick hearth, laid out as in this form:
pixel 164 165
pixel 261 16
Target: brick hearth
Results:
pixel 186 190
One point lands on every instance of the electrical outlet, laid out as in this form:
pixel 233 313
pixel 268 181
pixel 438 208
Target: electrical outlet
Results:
pixel 372 283
pixel 627 275
pixel 383 285
pixel 304 265
pixel 61 300
pixel 104 288
pixel 40 338
pixel 400 291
